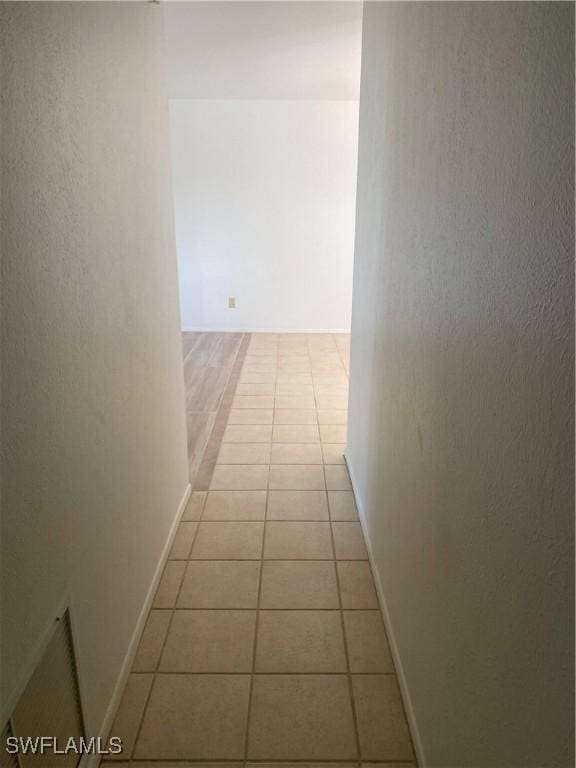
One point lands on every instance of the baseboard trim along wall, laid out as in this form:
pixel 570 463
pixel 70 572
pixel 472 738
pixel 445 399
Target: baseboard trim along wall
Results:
pixel 417 744
pixel 92 761
pixel 265 330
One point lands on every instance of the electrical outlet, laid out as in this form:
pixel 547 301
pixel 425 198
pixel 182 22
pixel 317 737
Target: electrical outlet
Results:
pixel 231 302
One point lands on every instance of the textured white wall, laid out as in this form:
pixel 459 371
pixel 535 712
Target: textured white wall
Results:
pixel 94 464
pixel 461 426
pixel 264 200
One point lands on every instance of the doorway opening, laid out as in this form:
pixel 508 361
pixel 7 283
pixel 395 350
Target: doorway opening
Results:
pixel 264 136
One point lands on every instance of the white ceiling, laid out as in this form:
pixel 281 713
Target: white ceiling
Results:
pixel 263 50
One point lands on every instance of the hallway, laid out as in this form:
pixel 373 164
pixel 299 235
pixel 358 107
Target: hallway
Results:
pixel 265 642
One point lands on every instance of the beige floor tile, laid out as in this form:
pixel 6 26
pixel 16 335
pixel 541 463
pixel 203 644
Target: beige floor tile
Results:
pixel 295 358
pixel 253 401
pixel 333 433
pixel 300 641
pixel 325 358
pixel 382 727
pixel 342 506
pixel 228 541
pixel 290 340
pixel 295 416
pixel 193 510
pixel 297 363
pixel 296 453
pixel 210 641
pixel 302 765
pixel 297 505
pixel 262 363
pixel 301 717
pixel 251 416
pixel 322 340
pixel 297 541
pixel 284 377
pixel 297 402
pixel 247 433
pixel 199 717
pixel 293 353
pixel 293 585
pixel 239 477
pixel 116 764
pixel 266 372
pixel 349 541
pixel 331 402
pixel 328 359
pixel 296 478
pixel 384 765
pixel 152 640
pixel 290 346
pixel 261 358
pixel 322 350
pixel 235 505
pixel 269 358
pixel 291 389
pixel 333 382
pixel 328 366
pixel 182 543
pixel 295 433
pixel 257 377
pixel 336 417
pixel 169 584
pixel 244 453
pixel 337 478
pixel 130 711
pixel 181 764
pixel 303 367
pixel 333 453
pixel 250 388
pixel 356 585
pixel 368 649
pixel 220 584
pixel 295 368
pixel 263 350
pixel 260 345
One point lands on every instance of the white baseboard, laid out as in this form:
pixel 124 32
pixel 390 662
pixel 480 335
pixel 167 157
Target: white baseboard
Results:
pixel 207 329
pixel 92 761
pixel 389 629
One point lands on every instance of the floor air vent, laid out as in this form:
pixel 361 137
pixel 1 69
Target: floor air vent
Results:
pixel 49 706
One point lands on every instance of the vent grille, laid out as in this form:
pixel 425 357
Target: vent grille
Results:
pixel 50 703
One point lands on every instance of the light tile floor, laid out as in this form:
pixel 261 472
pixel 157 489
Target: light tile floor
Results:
pixel 265 642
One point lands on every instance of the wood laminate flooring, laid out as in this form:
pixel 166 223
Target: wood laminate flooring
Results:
pixel 208 362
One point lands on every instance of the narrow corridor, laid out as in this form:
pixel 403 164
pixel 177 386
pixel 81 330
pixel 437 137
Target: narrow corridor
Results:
pixel 265 642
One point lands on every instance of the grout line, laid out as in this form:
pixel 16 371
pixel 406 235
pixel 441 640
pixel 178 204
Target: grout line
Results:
pixel 269 559
pixel 251 608
pixel 257 622
pixel 195 673
pixel 300 761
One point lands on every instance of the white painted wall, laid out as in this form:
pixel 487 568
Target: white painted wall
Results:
pixel 265 203
pixel 94 451
pixel 263 50
pixel 461 392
